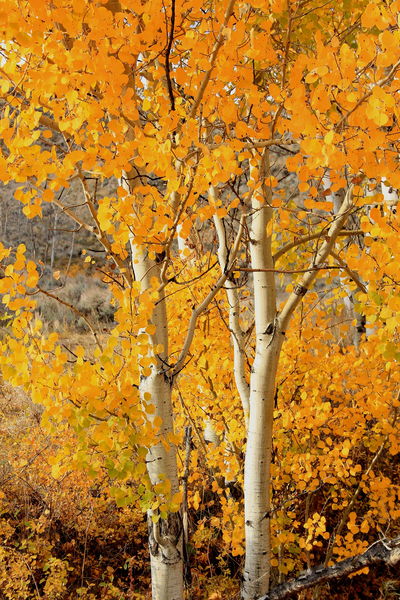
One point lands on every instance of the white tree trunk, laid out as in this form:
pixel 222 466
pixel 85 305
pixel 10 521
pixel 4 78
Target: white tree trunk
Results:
pixel 390 195
pixel 237 334
pixel 262 391
pixel 270 331
pixel 165 536
pixel 257 479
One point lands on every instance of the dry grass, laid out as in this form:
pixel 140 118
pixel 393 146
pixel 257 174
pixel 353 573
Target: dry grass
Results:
pixel 87 294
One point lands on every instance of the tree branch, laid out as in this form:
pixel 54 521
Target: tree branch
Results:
pixel 268 143
pixel 235 329
pixel 170 36
pixel 290 272
pixel 381 552
pixel 324 251
pixel 352 274
pixel 368 95
pixel 213 58
pixel 309 238
pixel 202 307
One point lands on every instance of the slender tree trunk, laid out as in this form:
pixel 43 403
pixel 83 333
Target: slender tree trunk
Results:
pixel 262 392
pixel 271 328
pixel 237 334
pixel 258 465
pixel 165 536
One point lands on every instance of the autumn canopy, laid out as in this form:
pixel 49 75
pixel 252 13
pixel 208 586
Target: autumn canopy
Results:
pixel 236 163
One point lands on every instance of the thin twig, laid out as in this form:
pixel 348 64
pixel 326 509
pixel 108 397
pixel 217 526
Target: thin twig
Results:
pixel 213 58
pixel 167 55
pixel 316 268
pixel 84 550
pixel 204 305
pixel 308 238
pixel 352 274
pixel 350 505
pixel 368 95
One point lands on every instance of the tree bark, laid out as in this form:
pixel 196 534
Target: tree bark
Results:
pixel 381 552
pixel 271 328
pixel 237 334
pixel 165 536
pixel 262 390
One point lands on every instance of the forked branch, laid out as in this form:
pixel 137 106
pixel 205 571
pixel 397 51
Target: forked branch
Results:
pixel 319 259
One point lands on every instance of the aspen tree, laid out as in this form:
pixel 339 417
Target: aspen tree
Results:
pixel 180 105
